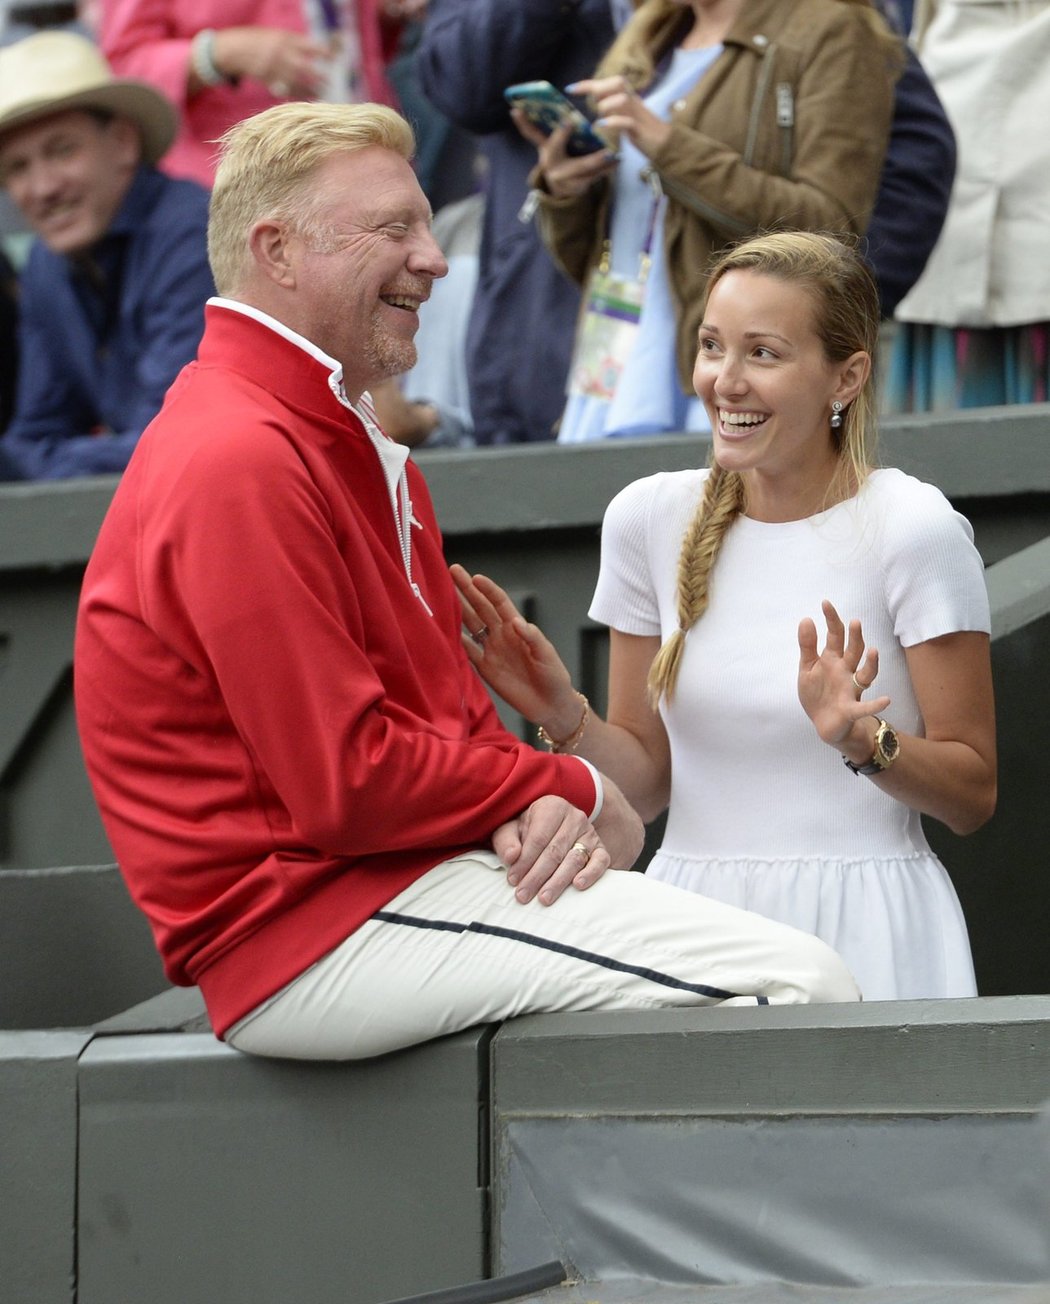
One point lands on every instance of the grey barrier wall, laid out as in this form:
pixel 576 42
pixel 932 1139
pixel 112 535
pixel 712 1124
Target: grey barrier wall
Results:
pixel 873 1145
pixel 38 1165
pixel 891 1145
pixel 145 1161
pixel 530 516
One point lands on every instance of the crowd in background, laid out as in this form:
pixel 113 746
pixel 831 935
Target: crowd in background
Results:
pixel 933 163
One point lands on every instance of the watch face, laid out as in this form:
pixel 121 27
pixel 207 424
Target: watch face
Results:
pixel 887 743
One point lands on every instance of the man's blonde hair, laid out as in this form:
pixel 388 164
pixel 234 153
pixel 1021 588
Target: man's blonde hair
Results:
pixel 265 161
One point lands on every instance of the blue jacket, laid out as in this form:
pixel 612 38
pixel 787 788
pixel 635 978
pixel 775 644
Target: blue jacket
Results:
pixel 524 315
pixel 93 372
pixel 914 188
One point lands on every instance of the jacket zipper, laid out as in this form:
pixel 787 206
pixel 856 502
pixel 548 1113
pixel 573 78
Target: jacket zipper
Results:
pixel 405 520
pixel 786 123
pixel 402 507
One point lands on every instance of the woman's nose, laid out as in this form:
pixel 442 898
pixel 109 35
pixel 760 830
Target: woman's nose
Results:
pixel 730 378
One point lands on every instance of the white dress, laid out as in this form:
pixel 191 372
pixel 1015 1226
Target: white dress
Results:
pixel 764 815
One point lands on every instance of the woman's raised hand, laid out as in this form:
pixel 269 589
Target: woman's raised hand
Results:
pixel 831 681
pixel 514 657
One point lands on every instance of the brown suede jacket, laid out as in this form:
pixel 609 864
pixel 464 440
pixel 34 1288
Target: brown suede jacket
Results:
pixel 788 129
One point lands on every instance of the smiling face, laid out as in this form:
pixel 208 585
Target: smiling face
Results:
pixel 362 262
pixel 68 173
pixel 768 385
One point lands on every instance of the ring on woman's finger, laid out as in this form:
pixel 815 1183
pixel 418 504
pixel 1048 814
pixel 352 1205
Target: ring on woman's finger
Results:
pixel 857 684
pixel 578 846
pixel 480 635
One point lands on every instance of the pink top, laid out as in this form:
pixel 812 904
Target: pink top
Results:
pixel 150 40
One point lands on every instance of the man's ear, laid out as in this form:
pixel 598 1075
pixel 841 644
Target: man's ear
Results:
pixel 269 242
pixel 852 375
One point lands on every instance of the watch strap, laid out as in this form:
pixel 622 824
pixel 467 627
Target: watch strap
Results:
pixel 876 765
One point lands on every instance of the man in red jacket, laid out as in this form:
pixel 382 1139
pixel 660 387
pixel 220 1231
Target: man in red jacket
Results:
pixel 303 779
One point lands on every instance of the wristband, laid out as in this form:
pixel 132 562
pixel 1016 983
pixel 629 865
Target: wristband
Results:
pixel 202 59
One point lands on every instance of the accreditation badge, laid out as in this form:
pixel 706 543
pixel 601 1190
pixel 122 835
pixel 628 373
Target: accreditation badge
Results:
pixel 606 334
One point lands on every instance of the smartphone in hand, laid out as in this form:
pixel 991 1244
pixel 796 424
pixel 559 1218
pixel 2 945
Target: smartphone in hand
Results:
pixel 547 108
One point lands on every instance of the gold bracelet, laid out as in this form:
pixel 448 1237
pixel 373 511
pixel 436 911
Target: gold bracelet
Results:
pixel 572 742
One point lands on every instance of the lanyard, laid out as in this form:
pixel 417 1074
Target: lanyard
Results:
pixel 645 260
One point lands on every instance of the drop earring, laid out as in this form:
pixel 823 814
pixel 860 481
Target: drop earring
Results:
pixel 836 415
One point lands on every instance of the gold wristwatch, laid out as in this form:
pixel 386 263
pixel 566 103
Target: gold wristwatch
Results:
pixel 887 749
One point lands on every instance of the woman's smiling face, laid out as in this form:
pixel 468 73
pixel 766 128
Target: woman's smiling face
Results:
pixel 764 377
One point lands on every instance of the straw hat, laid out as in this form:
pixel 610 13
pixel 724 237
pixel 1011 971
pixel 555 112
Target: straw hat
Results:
pixel 55 71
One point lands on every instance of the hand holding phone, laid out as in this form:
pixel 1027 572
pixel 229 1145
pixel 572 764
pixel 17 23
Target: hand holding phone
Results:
pixel 547 108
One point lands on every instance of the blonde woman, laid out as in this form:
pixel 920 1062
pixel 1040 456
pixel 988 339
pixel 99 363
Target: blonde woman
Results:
pixel 723 705
pixel 729 117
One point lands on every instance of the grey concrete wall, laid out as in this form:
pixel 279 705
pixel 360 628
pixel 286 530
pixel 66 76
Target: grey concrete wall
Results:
pixel 144 1163
pixel 874 1144
pixel 881 1144
pixel 38 1165
pixel 73 948
pixel 1001 871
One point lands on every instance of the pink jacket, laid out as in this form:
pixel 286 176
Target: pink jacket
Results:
pixel 150 40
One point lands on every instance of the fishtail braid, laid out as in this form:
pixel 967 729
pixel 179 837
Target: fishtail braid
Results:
pixel 722 502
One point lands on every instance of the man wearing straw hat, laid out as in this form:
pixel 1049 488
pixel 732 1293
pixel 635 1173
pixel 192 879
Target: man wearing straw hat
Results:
pixel 113 291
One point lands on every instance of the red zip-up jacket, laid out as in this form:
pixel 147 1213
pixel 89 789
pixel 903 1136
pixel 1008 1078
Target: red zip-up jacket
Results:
pixel 279 721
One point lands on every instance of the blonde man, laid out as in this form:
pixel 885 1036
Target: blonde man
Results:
pixel 304 781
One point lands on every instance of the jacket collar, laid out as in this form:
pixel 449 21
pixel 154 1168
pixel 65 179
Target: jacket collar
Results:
pixel 273 356
pixel 759 23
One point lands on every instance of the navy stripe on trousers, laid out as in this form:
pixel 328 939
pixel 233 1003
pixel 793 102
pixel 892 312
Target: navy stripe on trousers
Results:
pixel 529 939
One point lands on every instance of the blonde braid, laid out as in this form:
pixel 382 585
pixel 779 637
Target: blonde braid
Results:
pixel 722 502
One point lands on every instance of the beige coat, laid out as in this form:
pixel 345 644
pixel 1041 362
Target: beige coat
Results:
pixel 990 63
pixel 788 128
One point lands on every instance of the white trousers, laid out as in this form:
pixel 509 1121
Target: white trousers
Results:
pixel 457 949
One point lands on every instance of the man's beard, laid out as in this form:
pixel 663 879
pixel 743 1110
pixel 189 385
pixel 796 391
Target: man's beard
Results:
pixel 388 355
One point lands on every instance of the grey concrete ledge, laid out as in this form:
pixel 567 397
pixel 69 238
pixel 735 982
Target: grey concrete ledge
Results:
pixel 976 453
pixel 627 1291
pixel 988 1055
pixel 1019 588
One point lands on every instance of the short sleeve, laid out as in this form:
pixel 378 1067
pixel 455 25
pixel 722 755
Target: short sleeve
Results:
pixel 641 538
pixel 625 597
pixel 933 574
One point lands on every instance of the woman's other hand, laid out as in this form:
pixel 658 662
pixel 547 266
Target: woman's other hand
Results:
pixel 830 681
